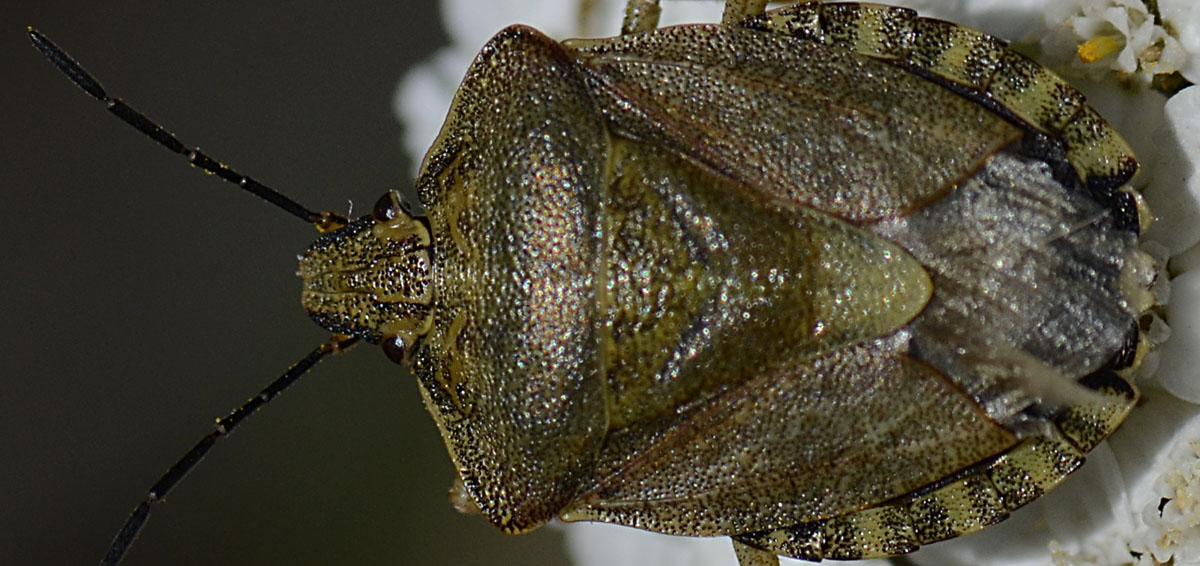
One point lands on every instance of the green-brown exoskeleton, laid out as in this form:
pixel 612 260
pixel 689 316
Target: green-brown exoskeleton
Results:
pixel 833 280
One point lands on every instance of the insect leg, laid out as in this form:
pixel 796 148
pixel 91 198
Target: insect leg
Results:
pixel 753 556
pixel 133 525
pixel 738 10
pixel 640 16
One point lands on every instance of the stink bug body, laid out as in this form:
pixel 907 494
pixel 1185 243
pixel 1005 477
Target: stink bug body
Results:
pixel 832 280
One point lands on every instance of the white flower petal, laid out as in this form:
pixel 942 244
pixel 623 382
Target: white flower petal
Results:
pixel 1180 357
pixel 1184 18
pixel 471 22
pixel 423 97
pixel 1143 46
pixel 1174 190
pixel 599 544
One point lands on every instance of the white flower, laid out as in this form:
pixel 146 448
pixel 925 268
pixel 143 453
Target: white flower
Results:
pixel 1123 35
pixel 1183 18
pixel 1108 513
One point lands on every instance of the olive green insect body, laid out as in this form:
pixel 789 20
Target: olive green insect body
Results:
pixel 833 280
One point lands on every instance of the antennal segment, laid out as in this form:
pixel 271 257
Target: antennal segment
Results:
pixel 324 221
pixel 160 489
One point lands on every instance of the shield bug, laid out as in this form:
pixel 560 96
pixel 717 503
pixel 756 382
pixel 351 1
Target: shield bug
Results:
pixel 833 280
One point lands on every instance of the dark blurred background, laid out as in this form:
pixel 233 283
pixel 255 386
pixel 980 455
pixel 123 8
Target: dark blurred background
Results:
pixel 142 299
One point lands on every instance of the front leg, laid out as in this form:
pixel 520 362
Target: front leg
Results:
pixel 640 16
pixel 738 10
pixel 751 556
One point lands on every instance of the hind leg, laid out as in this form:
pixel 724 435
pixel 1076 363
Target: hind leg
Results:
pixel 642 15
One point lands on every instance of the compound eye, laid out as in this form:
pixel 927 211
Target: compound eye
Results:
pixel 396 349
pixel 388 207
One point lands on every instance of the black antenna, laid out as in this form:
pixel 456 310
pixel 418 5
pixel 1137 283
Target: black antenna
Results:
pixel 324 221
pixel 160 489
